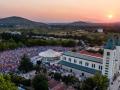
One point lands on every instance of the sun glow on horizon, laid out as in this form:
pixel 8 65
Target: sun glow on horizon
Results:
pixel 62 10
pixel 110 16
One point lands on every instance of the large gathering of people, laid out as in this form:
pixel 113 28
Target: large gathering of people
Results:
pixel 9 60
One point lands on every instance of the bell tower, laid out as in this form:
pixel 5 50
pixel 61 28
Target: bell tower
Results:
pixel 109 59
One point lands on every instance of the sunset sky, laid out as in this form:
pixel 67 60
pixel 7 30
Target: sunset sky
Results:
pixel 62 10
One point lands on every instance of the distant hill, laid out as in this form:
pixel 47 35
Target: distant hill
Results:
pixel 19 22
pixel 89 26
pixel 16 22
pixel 81 23
pixel 77 24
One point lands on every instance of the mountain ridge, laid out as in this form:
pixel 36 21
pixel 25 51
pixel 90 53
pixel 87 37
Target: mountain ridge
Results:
pixel 15 21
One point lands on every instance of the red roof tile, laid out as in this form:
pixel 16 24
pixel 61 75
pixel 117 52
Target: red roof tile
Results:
pixel 91 54
pixel 60 86
pixel 52 83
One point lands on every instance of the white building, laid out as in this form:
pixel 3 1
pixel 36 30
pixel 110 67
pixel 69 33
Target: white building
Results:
pixel 48 56
pixel 81 63
pixel 111 57
pixel 100 30
pixel 88 65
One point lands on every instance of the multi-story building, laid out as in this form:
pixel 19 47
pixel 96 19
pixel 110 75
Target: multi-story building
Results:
pixel 87 64
pixel 111 57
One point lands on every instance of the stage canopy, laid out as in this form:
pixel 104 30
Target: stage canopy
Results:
pixel 50 54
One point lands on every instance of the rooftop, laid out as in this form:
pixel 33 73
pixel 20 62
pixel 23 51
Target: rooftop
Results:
pixel 112 42
pixel 84 57
pixel 79 67
pixel 91 54
pixel 52 83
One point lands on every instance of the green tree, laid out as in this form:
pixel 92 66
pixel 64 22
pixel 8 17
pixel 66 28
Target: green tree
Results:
pixel 38 66
pixel 68 43
pixel 88 84
pixel 98 82
pixel 40 82
pixel 101 81
pixel 57 76
pixel 20 80
pixel 69 80
pixel 6 84
pixel 25 65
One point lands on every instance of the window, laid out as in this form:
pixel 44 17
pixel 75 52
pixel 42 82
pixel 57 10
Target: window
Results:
pixel 106 70
pixel 108 53
pixel 107 60
pixel 80 62
pixel 69 59
pixel 64 58
pixel 100 67
pixel 86 64
pixel 106 73
pixel 93 65
pixel 75 61
pixel 107 65
pixel 107 57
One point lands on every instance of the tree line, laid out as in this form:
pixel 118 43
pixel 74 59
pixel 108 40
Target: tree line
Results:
pixel 12 41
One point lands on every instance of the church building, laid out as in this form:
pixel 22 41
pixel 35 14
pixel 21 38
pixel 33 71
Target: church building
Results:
pixel 87 64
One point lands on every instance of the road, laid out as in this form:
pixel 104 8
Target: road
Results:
pixel 115 85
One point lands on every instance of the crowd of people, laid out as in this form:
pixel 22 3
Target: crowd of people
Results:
pixel 9 60
pixel 56 68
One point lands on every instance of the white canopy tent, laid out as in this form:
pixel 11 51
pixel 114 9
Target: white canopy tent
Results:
pixel 50 55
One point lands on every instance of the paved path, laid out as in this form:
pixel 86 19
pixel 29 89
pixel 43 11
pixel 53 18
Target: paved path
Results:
pixel 115 85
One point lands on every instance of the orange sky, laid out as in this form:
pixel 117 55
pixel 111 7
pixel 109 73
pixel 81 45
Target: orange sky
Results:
pixel 62 10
